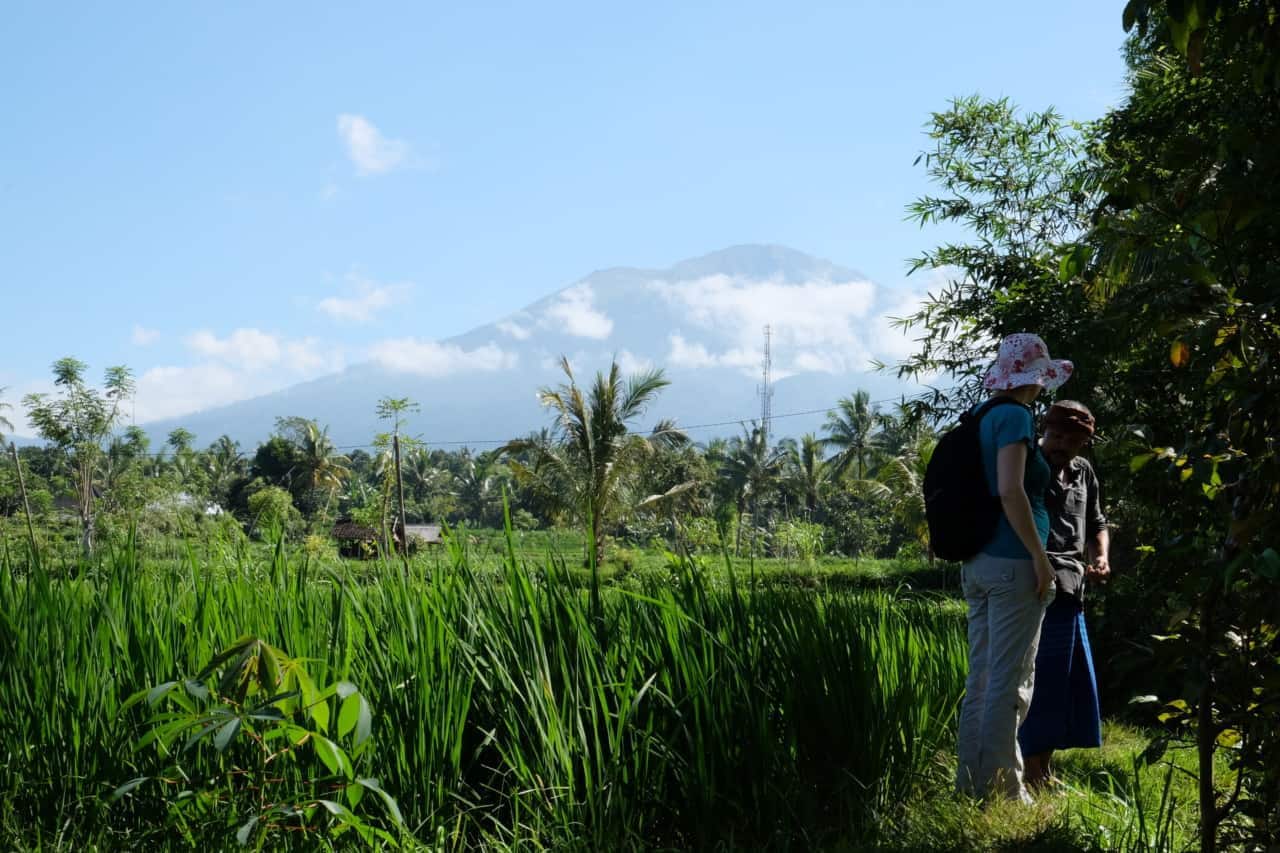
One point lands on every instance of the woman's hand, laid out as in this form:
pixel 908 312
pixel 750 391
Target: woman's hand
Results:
pixel 1044 575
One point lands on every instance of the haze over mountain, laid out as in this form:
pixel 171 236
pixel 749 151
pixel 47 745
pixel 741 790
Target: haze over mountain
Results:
pixel 702 320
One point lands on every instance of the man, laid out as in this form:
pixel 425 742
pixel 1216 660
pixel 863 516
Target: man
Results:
pixel 1064 711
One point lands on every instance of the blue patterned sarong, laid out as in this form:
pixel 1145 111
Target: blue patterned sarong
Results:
pixel 1064 711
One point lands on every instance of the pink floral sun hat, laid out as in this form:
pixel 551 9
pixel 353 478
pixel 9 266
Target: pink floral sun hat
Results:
pixel 1024 360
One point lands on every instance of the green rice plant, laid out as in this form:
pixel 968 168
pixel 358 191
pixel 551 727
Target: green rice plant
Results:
pixel 263 717
pixel 685 710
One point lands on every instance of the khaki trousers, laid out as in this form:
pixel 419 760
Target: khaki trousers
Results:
pixel 1004 631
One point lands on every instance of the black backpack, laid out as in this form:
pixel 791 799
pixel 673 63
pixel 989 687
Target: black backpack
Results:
pixel 960 509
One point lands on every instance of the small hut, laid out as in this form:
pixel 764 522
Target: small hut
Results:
pixel 355 540
pixel 419 535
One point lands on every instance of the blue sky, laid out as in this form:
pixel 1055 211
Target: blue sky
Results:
pixel 232 201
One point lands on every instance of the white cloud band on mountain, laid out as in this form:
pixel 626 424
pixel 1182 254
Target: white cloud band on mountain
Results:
pixel 574 312
pixel 514 329
pixel 170 390
pixel 684 353
pixel 817 325
pixel 247 348
pixel 430 358
pixel 243 364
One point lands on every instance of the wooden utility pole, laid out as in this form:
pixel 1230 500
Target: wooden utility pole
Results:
pixel 22 487
pixel 394 409
pixel 404 531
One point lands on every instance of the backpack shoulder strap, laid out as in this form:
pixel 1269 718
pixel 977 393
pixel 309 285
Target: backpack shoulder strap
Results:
pixel 978 414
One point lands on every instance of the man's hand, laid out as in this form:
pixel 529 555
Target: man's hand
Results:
pixel 1099 570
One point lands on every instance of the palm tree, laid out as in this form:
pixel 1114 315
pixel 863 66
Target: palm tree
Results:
pixel 901 482
pixel 475 487
pixel 595 442
pixel 155 465
pixel 752 469
pixel 899 430
pixel 807 471
pixel 849 430
pixel 222 465
pixel 419 474
pixel 5 424
pixel 322 466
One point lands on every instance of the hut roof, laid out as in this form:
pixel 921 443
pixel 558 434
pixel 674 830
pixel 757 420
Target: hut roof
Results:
pixel 427 533
pixel 345 528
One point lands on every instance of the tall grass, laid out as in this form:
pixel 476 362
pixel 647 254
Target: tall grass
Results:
pixel 505 711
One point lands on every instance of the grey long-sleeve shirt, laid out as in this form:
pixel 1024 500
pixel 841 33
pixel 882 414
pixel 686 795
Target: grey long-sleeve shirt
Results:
pixel 1075 517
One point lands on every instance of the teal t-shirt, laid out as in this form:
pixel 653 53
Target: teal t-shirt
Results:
pixel 1000 427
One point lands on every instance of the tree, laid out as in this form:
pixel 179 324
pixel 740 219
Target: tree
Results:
pixel 1182 255
pixel 78 422
pixel 1144 248
pixel 324 469
pixel 276 461
pixel 272 509
pixel 5 424
pixel 900 482
pixel 180 439
pixel 223 466
pixel 849 428
pixel 538 487
pixel 420 474
pixel 1019 184
pixel 807 472
pixel 395 410
pixel 595 442
pixel 899 430
pixel 752 469
pixel 476 487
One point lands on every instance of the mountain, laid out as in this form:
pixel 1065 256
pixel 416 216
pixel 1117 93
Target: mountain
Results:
pixel 702 320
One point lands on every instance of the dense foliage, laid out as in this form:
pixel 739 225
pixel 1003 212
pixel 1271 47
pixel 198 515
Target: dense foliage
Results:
pixel 858 482
pixel 1144 247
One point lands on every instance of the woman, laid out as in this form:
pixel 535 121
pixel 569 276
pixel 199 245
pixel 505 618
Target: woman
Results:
pixel 1010 582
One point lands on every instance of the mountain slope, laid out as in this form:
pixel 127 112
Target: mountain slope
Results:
pixel 702 320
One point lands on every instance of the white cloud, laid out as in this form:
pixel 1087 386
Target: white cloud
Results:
pixel 889 342
pixel 251 349
pixel 142 336
pixel 236 371
pixel 813 361
pixel 629 362
pixel 818 325
pixel 686 354
pixel 429 358
pixel 169 391
pixel 574 312
pixel 310 356
pixel 816 312
pixel 370 151
pixel 514 329
pixel 242 364
pixel 370 298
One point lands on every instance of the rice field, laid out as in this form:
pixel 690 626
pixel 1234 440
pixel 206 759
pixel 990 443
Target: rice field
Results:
pixel 511 709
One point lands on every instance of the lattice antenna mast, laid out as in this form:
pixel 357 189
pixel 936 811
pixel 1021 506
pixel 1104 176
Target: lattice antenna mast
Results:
pixel 766 386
